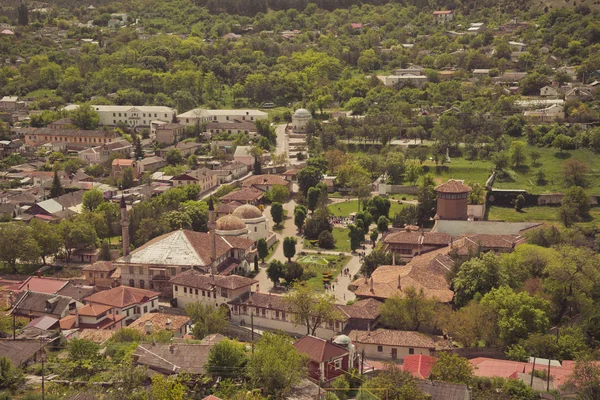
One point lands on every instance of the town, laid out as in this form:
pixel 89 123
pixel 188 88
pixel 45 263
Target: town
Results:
pixel 293 199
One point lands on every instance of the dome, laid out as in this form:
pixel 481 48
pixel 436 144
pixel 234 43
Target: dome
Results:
pixel 247 211
pixel 230 223
pixel 342 340
pixel 302 113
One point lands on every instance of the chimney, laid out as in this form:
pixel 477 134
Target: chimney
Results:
pixel 76 318
pixel 39 273
pixel 168 324
pixel 372 290
pixel 148 327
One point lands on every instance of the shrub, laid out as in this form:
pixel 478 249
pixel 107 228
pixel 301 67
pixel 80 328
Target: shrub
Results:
pixel 326 240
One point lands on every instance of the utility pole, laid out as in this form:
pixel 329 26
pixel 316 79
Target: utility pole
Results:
pixel 42 357
pixel 532 371
pixel 252 328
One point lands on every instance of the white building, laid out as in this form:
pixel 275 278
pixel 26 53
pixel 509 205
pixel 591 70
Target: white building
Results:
pixel 402 80
pixel 133 116
pixel 255 221
pixel 200 115
pixel 300 120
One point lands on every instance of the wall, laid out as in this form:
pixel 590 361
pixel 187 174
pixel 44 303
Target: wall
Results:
pixel 384 188
pixel 371 351
pixel 209 298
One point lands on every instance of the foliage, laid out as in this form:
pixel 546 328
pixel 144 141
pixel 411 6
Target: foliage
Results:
pixel 56 189
pixel 18 244
pixel 575 173
pixel 450 367
pixel 206 319
pixel 299 217
pixel 326 240
pixel 278 194
pixel 317 223
pixel 226 359
pixel 275 271
pixel 373 260
pixel 477 277
pixel 262 248
pixel 277 213
pixel 308 177
pixel 309 308
pixel 412 311
pixel 166 388
pixel 394 384
pixel 92 199
pixel 11 377
pixel 83 358
pixel 289 247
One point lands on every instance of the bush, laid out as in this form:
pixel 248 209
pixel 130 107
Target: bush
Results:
pixel 308 274
pixel 326 240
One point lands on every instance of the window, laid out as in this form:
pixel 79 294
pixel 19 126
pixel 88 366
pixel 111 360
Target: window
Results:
pixel 184 289
pixel 244 309
pixel 276 314
pixel 380 349
pixel 223 292
pixel 131 283
pixel 127 311
pixel 90 275
pixel 140 270
pixel 142 284
pixel 196 292
pixel 145 309
pixel 214 295
pixel 173 272
pixel 282 315
pixel 411 350
pixel 264 312
pixel 176 288
pixel 338 364
pixel 101 275
pixel 203 293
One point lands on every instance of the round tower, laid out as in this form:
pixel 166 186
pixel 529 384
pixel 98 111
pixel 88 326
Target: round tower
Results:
pixel 452 200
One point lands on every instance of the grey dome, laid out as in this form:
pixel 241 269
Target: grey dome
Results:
pixel 342 340
pixel 302 113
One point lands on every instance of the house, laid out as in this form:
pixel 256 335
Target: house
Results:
pixel 579 93
pixel 230 172
pixel 101 154
pixel 233 127
pixel 60 138
pixel 479 243
pixel 242 155
pixel 249 195
pixel 419 365
pixel 549 92
pixel 192 286
pixel 201 115
pixel 476 27
pixel 266 182
pixel 552 113
pixel 21 352
pixel 226 208
pixel 438 390
pixel 40 285
pixel 185 148
pixel 126 301
pixel 201 177
pixel 9 211
pixel 390 344
pixel 327 360
pixel 417 81
pixel 34 304
pixel 361 315
pixel 102 273
pixel 11 103
pixel 413 70
pixel 40 328
pixel 93 316
pixel 409 243
pixel 156 322
pixel 63 123
pixel 171 359
pixel 162 258
pixel 119 165
pixel 517 46
pixel 441 17
pixel 510 77
pixel 133 116
pixel 170 133
pixel 59 207
pixel 150 164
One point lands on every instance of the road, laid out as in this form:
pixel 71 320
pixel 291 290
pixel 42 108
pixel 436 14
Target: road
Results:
pixel 282 140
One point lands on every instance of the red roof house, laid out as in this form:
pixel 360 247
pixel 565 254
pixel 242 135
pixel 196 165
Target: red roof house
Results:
pixel 419 365
pixel 327 360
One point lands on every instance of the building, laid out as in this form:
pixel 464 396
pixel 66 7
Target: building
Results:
pixel 119 164
pixel 93 316
pixel 100 154
pixel 413 70
pixel 192 286
pixel 441 17
pixel 172 359
pixel 21 352
pixel 481 73
pixel 229 172
pixel 409 243
pixel 126 301
pixel 10 103
pixel 255 221
pixel 157 322
pixel 579 93
pixel 417 81
pixel 549 92
pixel 233 127
pixel 419 365
pixel 248 195
pixel 300 120
pixel 102 273
pixel 243 155
pixel 476 27
pixel 327 360
pixel 170 133
pixel 150 164
pixel 390 344
pixel 132 116
pixel 452 200
pixel 35 137
pixel 266 182
pixel 34 304
pixel 202 115
pixel 201 177
pixel 438 390
pixel 552 113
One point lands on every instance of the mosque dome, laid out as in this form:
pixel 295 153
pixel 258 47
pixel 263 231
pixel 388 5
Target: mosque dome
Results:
pixel 302 113
pixel 230 223
pixel 247 211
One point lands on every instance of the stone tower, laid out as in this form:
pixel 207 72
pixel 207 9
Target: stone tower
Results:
pixel 212 225
pixel 124 227
pixel 452 200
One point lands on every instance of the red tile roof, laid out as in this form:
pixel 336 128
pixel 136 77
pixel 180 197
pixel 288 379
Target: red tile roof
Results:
pixel 419 365
pixel 390 337
pixel 40 285
pixel 211 397
pixel 100 266
pixel 243 195
pixel 122 296
pixel 93 310
pixel 453 186
pixel 265 180
pixel 415 238
pixel 319 350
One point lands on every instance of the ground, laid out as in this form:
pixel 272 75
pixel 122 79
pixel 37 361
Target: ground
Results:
pixel 345 208
pixel 342 241
pixel 318 264
pixel 535 214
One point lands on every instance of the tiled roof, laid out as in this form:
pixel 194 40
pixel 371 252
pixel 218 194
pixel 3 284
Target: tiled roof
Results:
pixel 453 186
pixel 72 132
pixel 362 309
pixel 445 390
pixel 122 296
pixel 19 351
pixel 36 303
pixel 211 397
pixel 227 208
pixel 100 266
pixel 319 350
pixel 41 285
pixel 44 323
pixel 415 238
pixel 122 162
pixel 263 300
pixel 243 195
pixel 159 322
pixel 268 179
pixel 76 292
pixel 419 365
pixel 195 279
pixel 389 337
pixel 190 358
pixel 96 335
pixel 93 310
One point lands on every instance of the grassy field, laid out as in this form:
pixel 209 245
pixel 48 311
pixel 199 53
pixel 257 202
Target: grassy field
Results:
pixel 348 207
pixel 317 264
pixel 342 241
pixel 537 214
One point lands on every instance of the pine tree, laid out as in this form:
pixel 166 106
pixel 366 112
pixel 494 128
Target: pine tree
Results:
pixel 23 14
pixel 56 189
pixel 137 146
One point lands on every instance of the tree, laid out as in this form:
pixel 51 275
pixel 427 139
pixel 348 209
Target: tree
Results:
pixel 317 223
pixel 47 237
pixel 534 155
pixel 373 260
pixel 226 359
pixel 18 244
pixel 289 248
pixel 312 198
pixel 206 319
pixel 11 378
pixel 275 271
pixel 56 189
pixel 92 199
pixel 293 271
pixel 127 178
pixel 311 308
pixel 257 167
pixel 575 172
pixel 76 234
pixel 374 235
pixel 519 202
pixel 277 213
pixel 382 224
pixel 409 312
pixel 308 177
pixel 500 160
pixel 356 235
pixel 427 200
pixel 586 378
pixel 562 142
pixel 579 199
pixel 395 383
pixel 278 194
pixel 166 388
pixel 326 240
pixel 83 357
pixel 450 367
pixel 514 124
pixel 192 161
pixel 85 117
pixel 276 366
pixel 517 153
pixel 23 14
pixel 262 248
pixel 174 157
pixel 299 217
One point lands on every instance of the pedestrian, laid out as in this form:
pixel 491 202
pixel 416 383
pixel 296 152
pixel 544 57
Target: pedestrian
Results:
pixel 344 296
pixel 333 287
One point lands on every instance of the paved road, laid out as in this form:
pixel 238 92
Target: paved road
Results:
pixel 282 140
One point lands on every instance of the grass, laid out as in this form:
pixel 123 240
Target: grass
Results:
pixel 334 265
pixel 272 251
pixel 342 241
pixel 346 208
pixel 537 214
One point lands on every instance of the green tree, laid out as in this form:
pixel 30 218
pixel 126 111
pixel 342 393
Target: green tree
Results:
pixel 289 248
pixel 18 244
pixel 577 197
pixel 562 142
pixel 47 237
pixel 292 272
pixel 279 194
pixel 226 359
pixel 127 178
pixel 586 377
pixel 277 213
pixel 409 312
pixel 166 388
pixel 262 248
pixel 276 366
pixel 374 235
pixel 11 377
pixel 427 200
pixel 83 357
pixel 373 260
pixel 308 177
pixel 450 367
pixel 174 157
pixel 575 172
pixel 317 224
pixel 76 234
pixel 395 383
pixel 477 277
pixel 299 217
pixel 326 240
pixel 192 161
pixel 275 271
pixel 534 155
pixel 312 198
pixel 85 117
pixel 356 235
pixel 57 188
pixel 519 202
pixel 517 153
pixel 382 224
pixel 257 167
pixel 311 308
pixel 92 199
pixel 206 319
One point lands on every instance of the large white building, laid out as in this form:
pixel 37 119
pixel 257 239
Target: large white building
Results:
pixel 133 116
pixel 200 115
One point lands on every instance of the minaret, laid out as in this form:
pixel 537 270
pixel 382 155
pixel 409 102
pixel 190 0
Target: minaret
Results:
pixel 212 225
pixel 124 227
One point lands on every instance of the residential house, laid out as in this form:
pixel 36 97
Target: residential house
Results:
pixel 476 27
pixel 481 73
pixel 102 273
pixel 417 81
pixel 248 195
pixel 233 127
pixel 34 304
pixel 229 172
pixel 242 155
pixel 222 209
pixel 8 147
pixel 157 322
pixel 11 103
pixel 185 148
pixel 361 315
pixel 101 154
pixel 63 123
pixel 419 365
pixel 172 359
pixel 579 93
pixel 150 164
pixel 266 182
pixel 517 46
pixel 162 258
pixel 413 70
pixel 170 133
pixel 201 115
pixel 39 284
pixel 549 92
pixel 93 316
pixel 40 328
pixel 479 243
pixel 390 344
pixel 409 243
pixel 35 137
pixel 133 116
pixel 119 165
pixel 201 177
pixel 21 352
pixel 59 207
pixel 9 211
pixel 549 114
pixel 443 16
pixel 192 286
pixel 510 77
pixel 438 390
pixel 126 301
pixel 326 360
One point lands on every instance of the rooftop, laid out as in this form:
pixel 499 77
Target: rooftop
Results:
pixel 388 337
pixel 159 322
pixel 453 186
pixel 319 350
pixel 122 296
pixel 195 279
pixel 173 359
